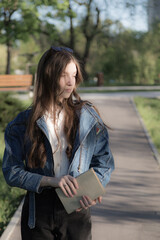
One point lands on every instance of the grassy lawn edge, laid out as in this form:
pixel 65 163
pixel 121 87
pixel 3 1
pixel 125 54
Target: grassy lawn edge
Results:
pixel 149 110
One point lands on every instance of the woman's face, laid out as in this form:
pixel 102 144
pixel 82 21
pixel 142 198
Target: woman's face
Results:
pixel 67 81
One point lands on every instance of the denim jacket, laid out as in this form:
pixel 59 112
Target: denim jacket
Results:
pixel 91 149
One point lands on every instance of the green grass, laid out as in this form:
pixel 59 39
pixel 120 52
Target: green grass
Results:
pixel 10 198
pixel 149 110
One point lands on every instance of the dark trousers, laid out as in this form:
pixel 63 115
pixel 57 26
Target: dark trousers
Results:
pixel 53 222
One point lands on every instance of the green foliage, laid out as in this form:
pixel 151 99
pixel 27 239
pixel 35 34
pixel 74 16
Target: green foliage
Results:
pixel 20 20
pixel 17 27
pixel 9 108
pixel 9 197
pixel 128 59
pixel 149 110
pixel 9 201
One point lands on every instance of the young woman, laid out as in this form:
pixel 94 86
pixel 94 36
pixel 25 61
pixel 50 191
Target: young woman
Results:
pixel 50 144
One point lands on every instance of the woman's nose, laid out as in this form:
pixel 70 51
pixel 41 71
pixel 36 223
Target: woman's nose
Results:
pixel 69 81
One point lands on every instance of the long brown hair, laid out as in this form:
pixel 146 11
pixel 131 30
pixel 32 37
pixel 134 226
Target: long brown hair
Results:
pixel 46 94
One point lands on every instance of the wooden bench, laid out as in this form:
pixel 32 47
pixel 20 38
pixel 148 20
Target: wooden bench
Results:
pixel 16 82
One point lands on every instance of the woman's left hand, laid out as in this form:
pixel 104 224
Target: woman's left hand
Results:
pixel 87 202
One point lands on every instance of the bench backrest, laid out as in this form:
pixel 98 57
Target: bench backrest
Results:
pixel 15 82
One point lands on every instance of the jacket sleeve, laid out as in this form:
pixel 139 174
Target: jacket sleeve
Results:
pixel 102 160
pixel 13 162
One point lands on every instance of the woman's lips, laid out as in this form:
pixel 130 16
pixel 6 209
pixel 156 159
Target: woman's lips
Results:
pixel 68 90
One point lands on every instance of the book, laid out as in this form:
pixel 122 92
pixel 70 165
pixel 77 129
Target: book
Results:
pixel 89 185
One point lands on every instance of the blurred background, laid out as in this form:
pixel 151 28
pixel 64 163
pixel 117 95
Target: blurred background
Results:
pixel 115 38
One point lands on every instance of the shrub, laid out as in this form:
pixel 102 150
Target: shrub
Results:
pixel 9 197
pixel 9 108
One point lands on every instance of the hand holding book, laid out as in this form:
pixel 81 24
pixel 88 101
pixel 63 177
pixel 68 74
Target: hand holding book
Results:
pixel 68 185
pixel 88 202
pixel 90 188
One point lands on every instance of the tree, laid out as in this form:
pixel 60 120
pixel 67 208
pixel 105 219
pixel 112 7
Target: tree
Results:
pixel 90 26
pixel 18 19
pixel 87 22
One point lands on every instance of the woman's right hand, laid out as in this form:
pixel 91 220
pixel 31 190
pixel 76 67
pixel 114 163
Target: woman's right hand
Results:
pixel 67 183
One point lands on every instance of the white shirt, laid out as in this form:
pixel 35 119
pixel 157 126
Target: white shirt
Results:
pixel 61 161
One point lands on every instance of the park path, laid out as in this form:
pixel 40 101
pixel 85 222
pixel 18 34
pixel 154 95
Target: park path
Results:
pixel 130 210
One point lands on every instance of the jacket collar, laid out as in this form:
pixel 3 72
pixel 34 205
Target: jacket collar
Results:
pixel 43 126
pixel 87 122
pixel 88 118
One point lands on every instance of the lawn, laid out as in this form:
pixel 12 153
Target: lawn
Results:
pixel 149 109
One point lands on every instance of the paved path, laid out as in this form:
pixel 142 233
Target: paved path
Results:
pixel 100 95
pixel 148 94
pixel 131 207
pixel 130 210
pixel 121 88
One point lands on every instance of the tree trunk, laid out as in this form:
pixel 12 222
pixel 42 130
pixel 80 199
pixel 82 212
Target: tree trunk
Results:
pixel 89 31
pixel 87 49
pixel 8 66
pixel 72 38
pixel 85 57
